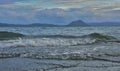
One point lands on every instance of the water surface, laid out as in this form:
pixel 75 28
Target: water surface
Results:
pixel 60 48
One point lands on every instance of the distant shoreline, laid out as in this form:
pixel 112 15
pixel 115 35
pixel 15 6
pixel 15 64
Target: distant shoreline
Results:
pixel 77 23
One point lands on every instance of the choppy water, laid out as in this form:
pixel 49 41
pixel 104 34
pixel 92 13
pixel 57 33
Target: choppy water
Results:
pixel 61 43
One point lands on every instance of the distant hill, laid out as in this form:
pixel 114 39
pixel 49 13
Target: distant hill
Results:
pixel 27 25
pixel 9 25
pixel 73 24
pixel 77 23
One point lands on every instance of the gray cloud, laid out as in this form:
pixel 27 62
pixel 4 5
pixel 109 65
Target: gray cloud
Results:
pixel 13 13
pixel 10 1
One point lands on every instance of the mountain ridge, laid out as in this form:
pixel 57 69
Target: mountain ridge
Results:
pixel 76 23
pixel 72 24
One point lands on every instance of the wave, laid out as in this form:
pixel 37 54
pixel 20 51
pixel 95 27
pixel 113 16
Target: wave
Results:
pixel 69 56
pixel 6 34
pixel 9 35
pixel 56 36
pixel 72 56
pixel 37 42
pixel 63 56
pixel 92 35
pixel 55 40
pixel 99 36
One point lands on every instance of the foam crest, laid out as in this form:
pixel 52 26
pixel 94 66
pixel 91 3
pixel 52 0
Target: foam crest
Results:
pixel 36 42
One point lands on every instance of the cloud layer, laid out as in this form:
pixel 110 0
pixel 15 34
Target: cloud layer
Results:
pixel 58 11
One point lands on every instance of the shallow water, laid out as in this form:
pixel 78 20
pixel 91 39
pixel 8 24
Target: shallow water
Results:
pixel 61 49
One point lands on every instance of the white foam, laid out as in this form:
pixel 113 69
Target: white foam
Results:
pixel 36 42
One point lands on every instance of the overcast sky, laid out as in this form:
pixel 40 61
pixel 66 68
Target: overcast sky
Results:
pixel 58 11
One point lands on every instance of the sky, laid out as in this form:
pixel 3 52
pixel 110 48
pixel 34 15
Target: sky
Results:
pixel 58 11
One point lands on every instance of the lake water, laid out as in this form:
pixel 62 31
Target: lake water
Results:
pixel 60 49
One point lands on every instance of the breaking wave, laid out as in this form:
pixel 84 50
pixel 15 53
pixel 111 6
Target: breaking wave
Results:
pixel 54 40
pixel 92 35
